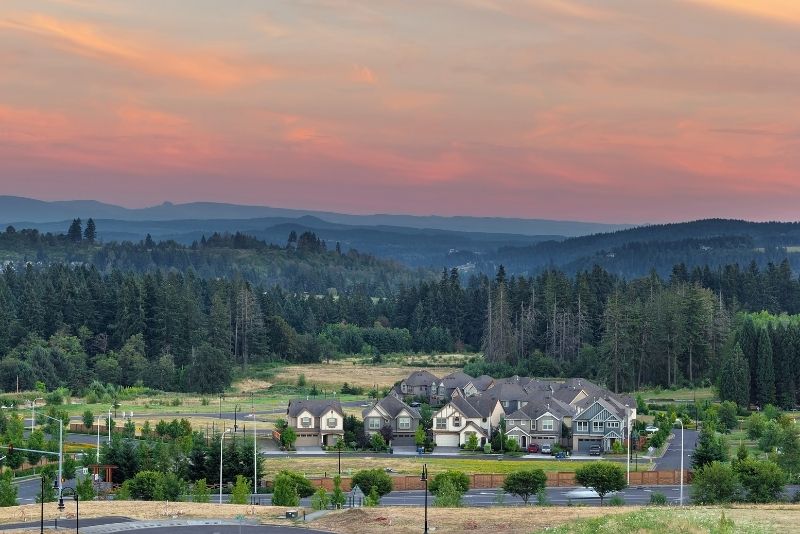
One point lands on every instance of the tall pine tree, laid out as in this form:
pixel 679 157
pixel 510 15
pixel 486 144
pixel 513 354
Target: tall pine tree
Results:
pixel 765 372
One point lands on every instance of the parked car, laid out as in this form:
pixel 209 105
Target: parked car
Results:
pixel 650 429
pixel 561 455
pixel 533 448
pixel 546 449
pixel 415 404
pixel 594 450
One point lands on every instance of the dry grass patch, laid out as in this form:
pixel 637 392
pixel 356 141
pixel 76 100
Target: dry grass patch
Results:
pixel 338 372
pixel 499 520
pixel 144 511
pixel 249 385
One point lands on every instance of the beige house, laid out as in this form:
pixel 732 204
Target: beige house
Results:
pixel 462 416
pixel 316 422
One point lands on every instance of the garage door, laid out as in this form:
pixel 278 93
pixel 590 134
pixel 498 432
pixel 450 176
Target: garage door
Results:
pixel 307 440
pixel 447 440
pixel 585 444
pixel 541 440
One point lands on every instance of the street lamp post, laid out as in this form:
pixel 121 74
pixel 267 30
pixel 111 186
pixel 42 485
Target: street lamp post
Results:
pixel 221 441
pixel 60 449
pixel 235 418
pixel 628 435
pixel 33 412
pixel 255 456
pixel 97 458
pixel 424 478
pixel 108 424
pixel 682 474
pixel 70 491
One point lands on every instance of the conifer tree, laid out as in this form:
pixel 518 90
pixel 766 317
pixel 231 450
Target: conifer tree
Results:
pixel 75 232
pixel 90 234
pixel 765 373
pixel 734 378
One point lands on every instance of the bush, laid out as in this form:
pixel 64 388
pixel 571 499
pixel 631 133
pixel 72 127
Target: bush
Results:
pixel 715 483
pixel 200 491
pixel 377 442
pixel 241 490
pixel 143 485
pixel 373 499
pixel 320 500
pixel 448 494
pixel 302 485
pixel 85 489
pixel 169 488
pixel 459 480
pixel 338 498
pixel 616 500
pixel 8 491
pixel 658 499
pixel 285 491
pixel 762 481
pixel 373 478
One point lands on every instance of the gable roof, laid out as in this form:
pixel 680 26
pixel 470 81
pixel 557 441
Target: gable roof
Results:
pixel 315 407
pixel 392 406
pixel 421 378
pixel 455 380
pixel 483 382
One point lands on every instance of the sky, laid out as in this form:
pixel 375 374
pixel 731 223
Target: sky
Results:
pixel 616 110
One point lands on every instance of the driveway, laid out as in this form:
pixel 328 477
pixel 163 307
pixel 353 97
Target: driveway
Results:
pixel 446 451
pixel 310 450
pixel 405 451
pixel 672 456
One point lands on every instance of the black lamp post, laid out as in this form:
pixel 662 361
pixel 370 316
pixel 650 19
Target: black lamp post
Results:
pixel 67 492
pixel 235 418
pixel 424 478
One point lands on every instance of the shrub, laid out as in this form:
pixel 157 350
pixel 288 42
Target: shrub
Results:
pixel 301 380
pixel 169 488
pixel 241 490
pixel 616 500
pixel 541 498
pixel 8 491
pixel 200 491
pixel 369 478
pixel 373 499
pixel 762 481
pixel 143 485
pixel 377 442
pixel 715 483
pixel 338 498
pixel 176 402
pixel 460 481
pixel 658 499
pixel 448 494
pixel 302 485
pixel 285 491
pixel 88 419
pixel 320 500
pixel 85 489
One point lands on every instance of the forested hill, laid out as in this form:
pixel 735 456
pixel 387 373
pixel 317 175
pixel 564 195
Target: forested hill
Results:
pixel 637 251
pixel 304 264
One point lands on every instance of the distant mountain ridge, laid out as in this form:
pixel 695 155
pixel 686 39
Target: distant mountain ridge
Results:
pixel 20 209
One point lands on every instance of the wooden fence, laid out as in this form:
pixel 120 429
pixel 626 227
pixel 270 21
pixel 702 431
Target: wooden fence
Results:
pixel 491 481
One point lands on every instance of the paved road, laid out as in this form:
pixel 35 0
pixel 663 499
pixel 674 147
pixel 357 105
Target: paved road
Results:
pixel 672 456
pixel 109 525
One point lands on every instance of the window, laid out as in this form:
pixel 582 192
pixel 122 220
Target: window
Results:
pixel 597 426
pixel 456 421
pixel 374 423
pixel 332 422
pixel 533 424
pixel 441 423
pixel 547 424
pixel 404 422
pixel 305 422
pixel 403 387
pixel 582 426
pixel 612 424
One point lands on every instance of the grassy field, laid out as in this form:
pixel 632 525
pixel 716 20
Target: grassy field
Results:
pixel 683 394
pixel 567 520
pixel 333 375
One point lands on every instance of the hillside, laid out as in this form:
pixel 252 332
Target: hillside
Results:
pixel 307 266
pixel 18 209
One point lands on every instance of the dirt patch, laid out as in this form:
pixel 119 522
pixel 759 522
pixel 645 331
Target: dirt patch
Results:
pixel 505 520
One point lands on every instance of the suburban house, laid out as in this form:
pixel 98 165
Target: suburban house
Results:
pixel 453 381
pixel 392 411
pixel 420 384
pixel 462 416
pixel 316 422
pixel 541 421
pixel 601 421
pixel 511 392
pixel 478 385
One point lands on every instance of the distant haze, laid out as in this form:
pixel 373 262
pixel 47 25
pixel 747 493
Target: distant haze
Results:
pixel 21 210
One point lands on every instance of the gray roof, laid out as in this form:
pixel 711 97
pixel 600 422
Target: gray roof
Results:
pixel 457 379
pixel 476 406
pixel 421 378
pixel 483 382
pixel 315 407
pixel 393 406
pixel 541 403
pixel 507 391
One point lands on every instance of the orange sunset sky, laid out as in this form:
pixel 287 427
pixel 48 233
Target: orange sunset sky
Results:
pixel 613 110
